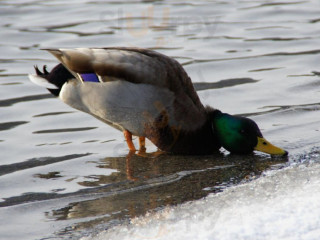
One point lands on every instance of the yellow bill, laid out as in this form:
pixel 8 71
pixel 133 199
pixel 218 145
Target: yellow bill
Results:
pixel 264 146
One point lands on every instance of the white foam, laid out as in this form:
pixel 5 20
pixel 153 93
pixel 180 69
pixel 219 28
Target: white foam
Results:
pixel 283 204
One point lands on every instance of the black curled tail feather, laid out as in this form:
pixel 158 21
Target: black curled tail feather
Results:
pixel 44 69
pixel 58 76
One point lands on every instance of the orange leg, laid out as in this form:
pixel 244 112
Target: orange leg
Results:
pixel 128 137
pixel 142 144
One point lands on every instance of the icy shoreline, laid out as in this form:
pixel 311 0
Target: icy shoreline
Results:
pixel 283 204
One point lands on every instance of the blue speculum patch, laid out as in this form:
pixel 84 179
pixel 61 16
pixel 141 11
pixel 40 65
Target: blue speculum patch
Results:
pixel 89 77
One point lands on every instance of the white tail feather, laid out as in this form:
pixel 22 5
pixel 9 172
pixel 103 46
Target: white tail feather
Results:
pixel 41 81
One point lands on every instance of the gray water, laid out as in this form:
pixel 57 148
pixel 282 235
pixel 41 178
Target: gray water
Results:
pixel 66 175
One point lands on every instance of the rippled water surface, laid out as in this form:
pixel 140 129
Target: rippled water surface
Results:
pixel 63 174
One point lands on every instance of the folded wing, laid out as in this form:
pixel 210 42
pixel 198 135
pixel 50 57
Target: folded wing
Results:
pixel 165 86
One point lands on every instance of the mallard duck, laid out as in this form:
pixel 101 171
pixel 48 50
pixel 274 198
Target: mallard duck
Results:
pixel 147 94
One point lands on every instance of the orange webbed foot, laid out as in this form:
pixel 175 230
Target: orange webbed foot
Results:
pixel 142 146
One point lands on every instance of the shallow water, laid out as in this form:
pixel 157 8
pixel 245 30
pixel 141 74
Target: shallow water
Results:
pixel 70 175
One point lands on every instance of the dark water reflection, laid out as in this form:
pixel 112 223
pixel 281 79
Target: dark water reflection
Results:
pixel 144 184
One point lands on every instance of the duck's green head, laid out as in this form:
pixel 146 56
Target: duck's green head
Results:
pixel 242 135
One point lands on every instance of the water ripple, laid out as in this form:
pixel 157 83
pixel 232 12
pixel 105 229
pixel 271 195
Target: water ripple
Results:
pixel 12 101
pixel 9 125
pixel 63 130
pixel 199 86
pixel 36 162
pixel 309 52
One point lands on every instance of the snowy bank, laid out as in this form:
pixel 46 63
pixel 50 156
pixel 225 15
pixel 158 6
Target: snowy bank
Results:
pixel 282 204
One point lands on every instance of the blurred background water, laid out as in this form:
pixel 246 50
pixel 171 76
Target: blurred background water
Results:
pixel 64 175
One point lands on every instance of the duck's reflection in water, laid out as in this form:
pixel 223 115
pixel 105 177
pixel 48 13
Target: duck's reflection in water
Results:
pixel 143 184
